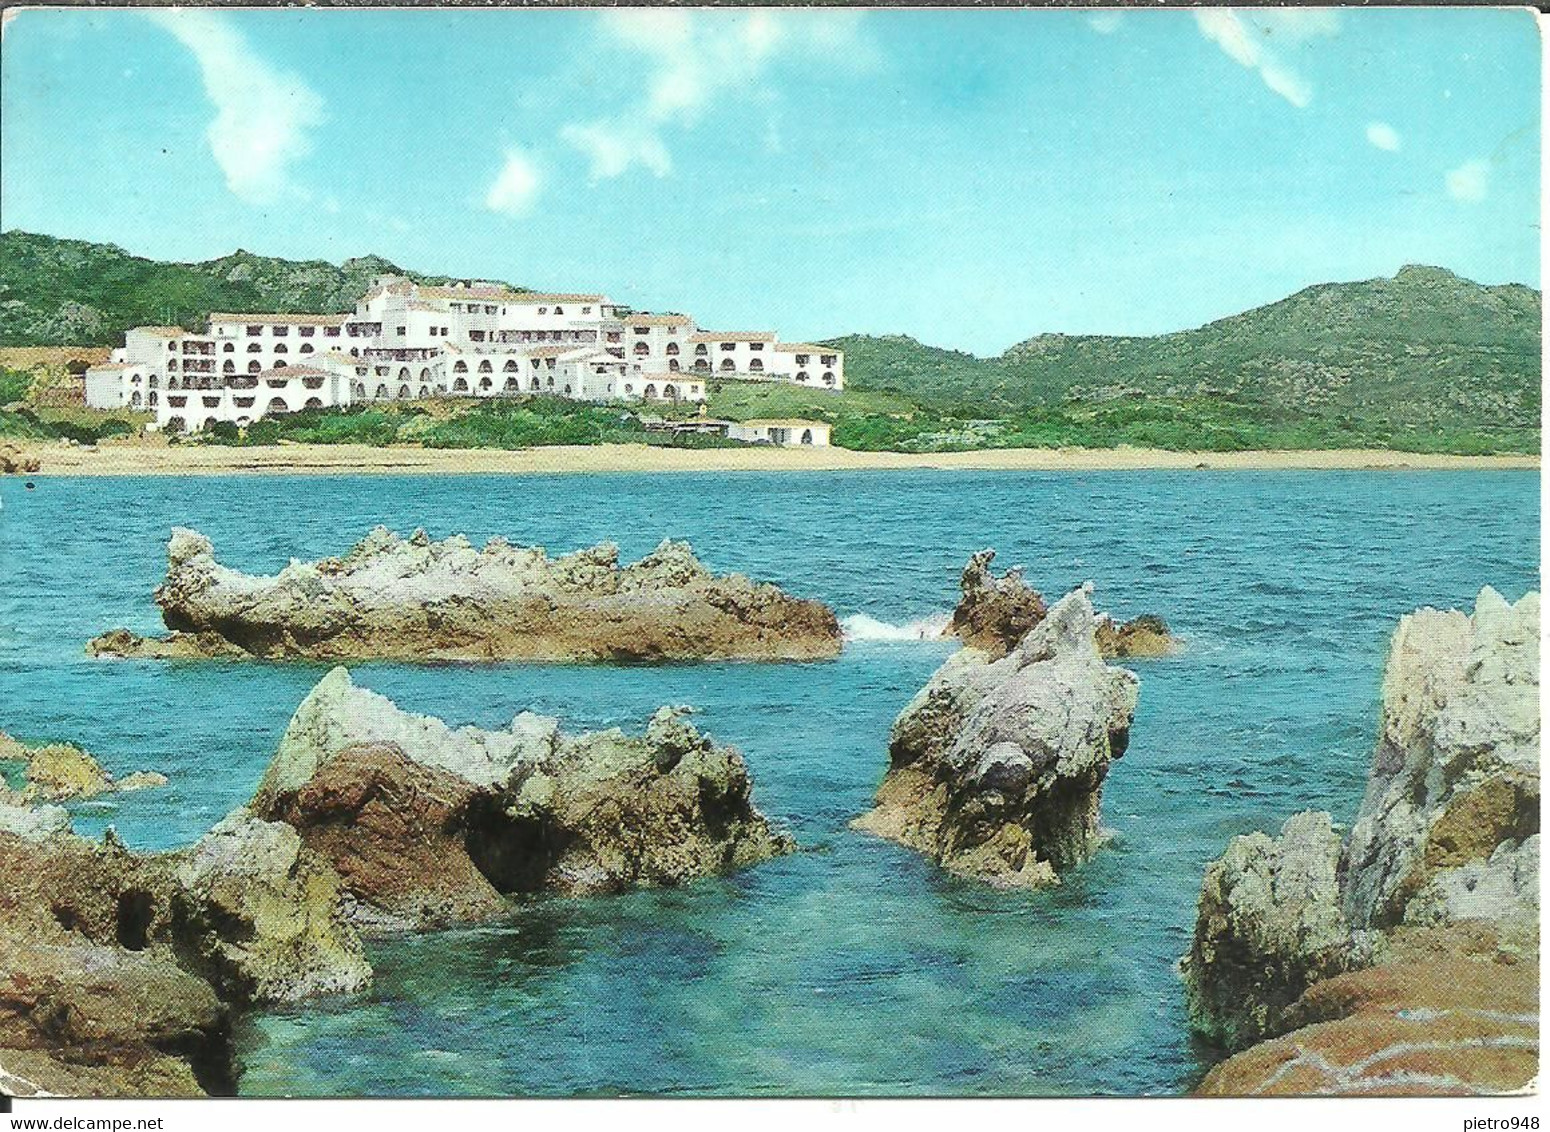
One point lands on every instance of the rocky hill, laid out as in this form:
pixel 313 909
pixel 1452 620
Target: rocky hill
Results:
pixel 70 292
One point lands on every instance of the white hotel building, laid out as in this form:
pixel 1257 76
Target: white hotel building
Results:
pixel 407 342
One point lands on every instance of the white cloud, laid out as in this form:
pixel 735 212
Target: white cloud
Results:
pixel 1253 38
pixel 695 59
pixel 1105 22
pixel 1470 181
pixel 262 114
pixel 516 186
pixel 1383 135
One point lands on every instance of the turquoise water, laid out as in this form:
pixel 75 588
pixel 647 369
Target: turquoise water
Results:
pixel 852 967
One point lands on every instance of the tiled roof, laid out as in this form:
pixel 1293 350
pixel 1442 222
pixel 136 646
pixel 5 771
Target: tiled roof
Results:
pixel 805 348
pixel 733 336
pixel 497 293
pixel 162 331
pixel 529 298
pixel 292 371
pixel 783 422
pixel 656 320
pixel 284 319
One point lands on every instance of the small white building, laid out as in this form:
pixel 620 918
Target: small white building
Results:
pixel 786 433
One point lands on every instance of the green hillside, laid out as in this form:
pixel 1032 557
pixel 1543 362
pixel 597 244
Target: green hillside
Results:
pixel 1423 351
pixel 57 292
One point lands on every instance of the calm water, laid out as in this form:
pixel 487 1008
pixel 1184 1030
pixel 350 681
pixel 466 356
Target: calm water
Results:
pixel 852 967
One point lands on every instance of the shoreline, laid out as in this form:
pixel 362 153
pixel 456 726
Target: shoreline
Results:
pixel 356 459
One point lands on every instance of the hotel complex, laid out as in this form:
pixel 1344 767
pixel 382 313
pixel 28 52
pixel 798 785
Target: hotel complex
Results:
pixel 407 341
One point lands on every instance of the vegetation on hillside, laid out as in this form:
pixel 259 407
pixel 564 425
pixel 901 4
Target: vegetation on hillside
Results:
pixel 71 292
pixel 1425 361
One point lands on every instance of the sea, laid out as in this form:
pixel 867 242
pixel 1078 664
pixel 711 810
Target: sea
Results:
pixel 852 967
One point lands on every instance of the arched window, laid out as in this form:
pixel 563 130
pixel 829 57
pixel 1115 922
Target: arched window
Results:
pixel 313 403
pixel 425 391
pixel 534 385
pixel 359 391
pixel 728 365
pixel 485 367
pixel 210 422
pixel 641 349
pixel 629 389
pixel 425 375
pixel 153 381
pixel 801 375
pixel 279 365
pixel 672 365
pixel 175 424
pixel 134 399
pixel 229 348
pixel 559 310
pixel 228 366
pixel 828 378
pixel 382 393
pixel 567 391
pixel 485 383
pixel 306 348
pixel 403 373
pixel 510 366
pixel 670 392
pixel 672 349
pixel 276 405
pixel 150 398
pixel 511 386
pixel 807 436
pixel 651 392
pixel 701 350
pixel 755 365
pixel 460 385
pixel 254 348
pixel 403 393
pixel 281 348
pixel 549 384
pixel 254 367
pixel 460 367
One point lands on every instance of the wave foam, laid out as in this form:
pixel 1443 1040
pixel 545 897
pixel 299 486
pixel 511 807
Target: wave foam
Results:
pixel 861 627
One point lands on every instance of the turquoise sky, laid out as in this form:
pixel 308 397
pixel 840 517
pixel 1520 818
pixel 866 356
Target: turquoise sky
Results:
pixel 968 177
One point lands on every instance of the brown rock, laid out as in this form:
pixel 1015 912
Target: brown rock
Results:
pixel 124 645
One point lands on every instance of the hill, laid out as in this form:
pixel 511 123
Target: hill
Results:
pixel 1425 350
pixel 56 292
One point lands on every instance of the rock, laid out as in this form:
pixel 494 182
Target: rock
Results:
pixel 1456 771
pixel 994 614
pixel 1140 638
pixel 430 825
pixel 13 461
pixel 92 995
pixel 141 780
pixel 1437 885
pixel 1269 926
pixel 262 917
pixel 1433 1027
pixel 997 765
pixel 59 772
pixel 119 970
pixel 122 644
pixel 423 600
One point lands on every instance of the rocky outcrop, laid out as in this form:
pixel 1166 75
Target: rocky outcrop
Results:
pixel 122 644
pixel 430 825
pixel 1405 958
pixel 120 971
pixel 14 461
pixel 995 613
pixel 421 600
pixel 997 765
pixel 58 772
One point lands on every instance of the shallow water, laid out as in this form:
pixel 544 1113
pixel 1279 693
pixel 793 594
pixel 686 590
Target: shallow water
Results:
pixel 852 967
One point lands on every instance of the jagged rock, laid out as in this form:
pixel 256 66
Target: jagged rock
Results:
pixel 122 644
pixel 1456 771
pixel 997 765
pixel 1437 884
pixel 418 599
pixel 430 825
pixel 117 968
pixel 58 772
pixel 1270 925
pixel 262 917
pixel 995 613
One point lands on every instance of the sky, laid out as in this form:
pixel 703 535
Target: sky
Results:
pixel 967 177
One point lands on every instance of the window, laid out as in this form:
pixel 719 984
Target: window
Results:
pixel 402 330
pixel 280 348
pixel 228 366
pixel 255 331
pixel 559 310
pixel 756 345
pixel 254 367
pixel 827 359
pixel 728 365
pixel 586 310
pixel 756 365
pixel 254 347
pixel 228 348
pixel 330 332
pixel 700 351
pixel 828 379
pixel 802 375
pixel 801 359
pixel 279 331
pixel 460 367
pixel 306 331
pixel 672 349
pixel 172 345
pixel 643 330
pixel 172 363
pixel 306 347
pixel 729 345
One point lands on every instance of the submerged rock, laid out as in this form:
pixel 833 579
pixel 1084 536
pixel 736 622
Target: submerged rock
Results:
pixel 995 613
pixel 430 825
pixel 59 772
pixel 418 599
pixel 1435 891
pixel 123 644
pixel 119 970
pixel 997 765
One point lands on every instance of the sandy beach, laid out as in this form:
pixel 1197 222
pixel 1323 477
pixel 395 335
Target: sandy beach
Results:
pixel 130 459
